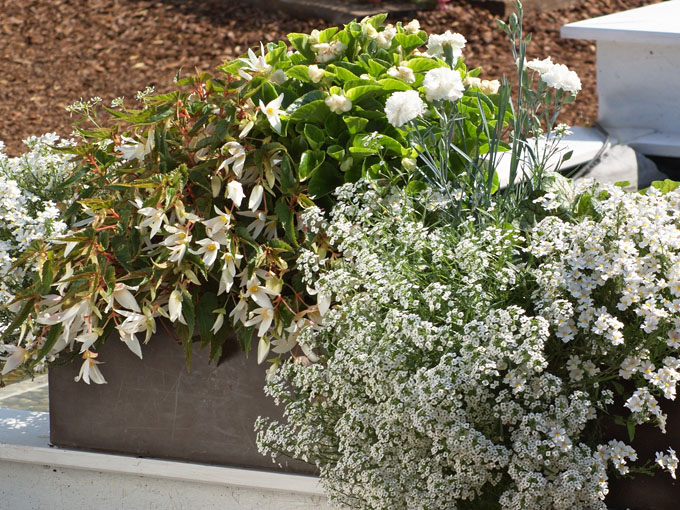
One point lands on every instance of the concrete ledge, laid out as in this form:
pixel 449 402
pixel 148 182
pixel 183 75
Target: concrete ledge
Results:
pixel 34 475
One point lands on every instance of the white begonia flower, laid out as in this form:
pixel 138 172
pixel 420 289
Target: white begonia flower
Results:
pixel 177 242
pixel 273 112
pixel 316 74
pixel 325 52
pixel 219 320
pixel 138 150
pixel 230 263
pixel 385 37
pixel 121 293
pixel 256 63
pixel 560 77
pixel 153 218
pixel 263 347
pixel 437 42
pixel 89 370
pixel 175 306
pixel 279 77
pixel 235 192
pixel 412 27
pixel 215 185
pixel 338 104
pixel 209 249
pixel 217 227
pixel 443 84
pixel 14 360
pixel 402 73
pixel 240 311
pixel 87 339
pixel 263 318
pixel 402 107
pixel 256 196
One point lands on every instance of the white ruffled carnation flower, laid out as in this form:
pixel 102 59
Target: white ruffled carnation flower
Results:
pixel 316 74
pixel 554 75
pixel 443 84
pixel 402 107
pixel 402 73
pixel 437 42
pixel 338 104
pixel 560 77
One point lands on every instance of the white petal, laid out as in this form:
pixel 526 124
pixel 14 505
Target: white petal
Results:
pixel 126 299
pixel 255 197
pixel 262 350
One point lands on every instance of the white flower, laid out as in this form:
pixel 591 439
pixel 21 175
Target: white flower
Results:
pixel 219 321
pixel 175 306
pixel 209 249
pixel 14 360
pixel 338 104
pixel 437 43
pixel 237 157
pixel 235 192
pixel 262 317
pixel 89 370
pixel 385 37
pixel 216 227
pixel 177 242
pixel 413 27
pixel 256 196
pixel 402 107
pixel 153 218
pixel 133 149
pixel 124 297
pixel 402 73
pixel 560 77
pixel 325 52
pixel 279 77
pixel 316 74
pixel 255 63
pixel 540 66
pixel 443 84
pixel 273 112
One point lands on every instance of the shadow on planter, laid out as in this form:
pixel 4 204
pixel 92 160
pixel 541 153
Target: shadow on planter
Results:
pixel 658 492
pixel 155 408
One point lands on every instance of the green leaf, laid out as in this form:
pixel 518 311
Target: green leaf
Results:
pixel 314 135
pixel 630 425
pixel 409 42
pixel 299 72
pixel 205 317
pixel 357 93
pixel 343 75
pixel 286 217
pixel 47 277
pixel 666 186
pixel 336 152
pixel 316 111
pixel 301 43
pixel 310 161
pixel 287 177
pixel 422 64
pixel 51 339
pixel 391 84
pixel 325 180
pixel 355 125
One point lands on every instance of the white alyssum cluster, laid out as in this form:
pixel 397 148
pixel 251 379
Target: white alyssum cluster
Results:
pixel 616 277
pixel 26 212
pixel 426 396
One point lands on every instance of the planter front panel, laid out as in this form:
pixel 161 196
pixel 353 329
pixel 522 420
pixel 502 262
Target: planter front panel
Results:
pixel 156 408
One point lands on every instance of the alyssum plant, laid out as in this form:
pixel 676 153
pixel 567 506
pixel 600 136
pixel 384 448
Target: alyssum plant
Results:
pixel 187 210
pixel 478 337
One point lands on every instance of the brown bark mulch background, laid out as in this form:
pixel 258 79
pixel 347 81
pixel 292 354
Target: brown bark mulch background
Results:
pixel 58 51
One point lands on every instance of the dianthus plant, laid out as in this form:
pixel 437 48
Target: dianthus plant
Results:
pixel 30 187
pixel 473 137
pixel 188 207
pixel 452 373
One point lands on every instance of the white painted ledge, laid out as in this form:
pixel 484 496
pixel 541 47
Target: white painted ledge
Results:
pixel 35 475
pixel 655 24
pixel 585 143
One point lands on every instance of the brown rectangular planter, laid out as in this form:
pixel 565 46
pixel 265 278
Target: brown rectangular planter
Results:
pixel 155 408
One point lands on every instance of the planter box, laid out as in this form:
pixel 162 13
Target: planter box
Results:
pixel 155 408
pixel 658 492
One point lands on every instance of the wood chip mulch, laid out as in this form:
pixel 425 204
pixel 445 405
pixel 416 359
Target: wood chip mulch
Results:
pixel 53 53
